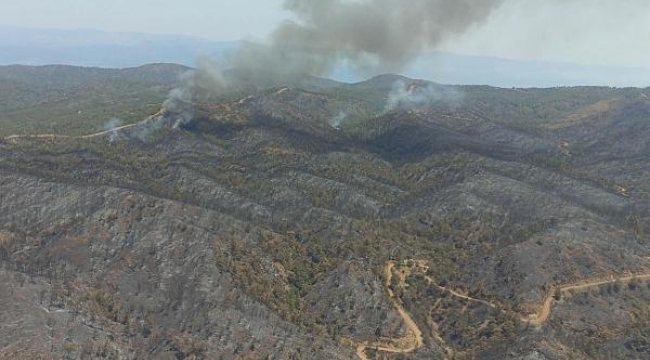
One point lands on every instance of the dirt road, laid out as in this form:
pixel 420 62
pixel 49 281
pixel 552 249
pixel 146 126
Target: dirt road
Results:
pixel 545 309
pixel 88 136
pixel 414 340
pixel 411 342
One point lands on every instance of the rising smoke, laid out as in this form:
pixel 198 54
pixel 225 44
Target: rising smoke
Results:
pixel 380 35
pixel 206 80
pixel 375 36
pixel 111 126
pixel 409 97
pixel 337 121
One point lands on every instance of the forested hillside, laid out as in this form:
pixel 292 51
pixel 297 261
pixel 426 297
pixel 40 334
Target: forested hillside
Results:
pixel 389 219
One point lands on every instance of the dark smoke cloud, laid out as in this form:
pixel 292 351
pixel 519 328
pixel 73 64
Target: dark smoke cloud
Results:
pixel 373 35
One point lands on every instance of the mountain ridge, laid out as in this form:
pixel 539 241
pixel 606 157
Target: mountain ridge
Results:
pixel 261 228
pixel 111 50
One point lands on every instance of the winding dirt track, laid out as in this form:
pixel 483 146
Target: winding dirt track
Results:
pixel 414 340
pixel 459 295
pixel 409 343
pixel 544 311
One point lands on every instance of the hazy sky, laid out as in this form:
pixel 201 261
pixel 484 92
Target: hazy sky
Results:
pixel 607 32
pixel 212 19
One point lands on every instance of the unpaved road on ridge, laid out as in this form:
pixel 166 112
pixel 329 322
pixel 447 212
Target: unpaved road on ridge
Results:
pixel 413 340
pixel 545 309
pixel 55 136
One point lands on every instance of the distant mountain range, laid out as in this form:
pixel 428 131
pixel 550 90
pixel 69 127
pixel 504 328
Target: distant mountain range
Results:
pixel 101 49
pixel 119 50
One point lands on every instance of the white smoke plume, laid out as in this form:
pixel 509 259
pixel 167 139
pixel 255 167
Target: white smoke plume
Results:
pixel 205 80
pixel 412 96
pixel 337 121
pixel 374 35
pixel 111 126
pixel 144 129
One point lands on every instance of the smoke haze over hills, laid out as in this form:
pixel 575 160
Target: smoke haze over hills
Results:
pixel 110 50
